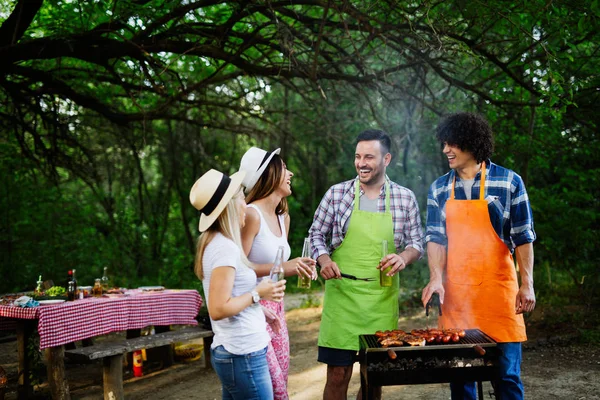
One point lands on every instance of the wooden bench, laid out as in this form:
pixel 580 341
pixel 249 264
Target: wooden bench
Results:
pixel 112 354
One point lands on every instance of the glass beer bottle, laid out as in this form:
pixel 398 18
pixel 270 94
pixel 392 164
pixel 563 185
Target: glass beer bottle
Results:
pixel 384 279
pixel 105 280
pixel 303 281
pixel 277 271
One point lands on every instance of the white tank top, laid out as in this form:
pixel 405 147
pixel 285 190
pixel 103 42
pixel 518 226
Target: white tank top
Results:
pixel 265 245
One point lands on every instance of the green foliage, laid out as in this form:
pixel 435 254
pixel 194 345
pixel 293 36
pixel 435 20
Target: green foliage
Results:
pixel 591 336
pixel 111 110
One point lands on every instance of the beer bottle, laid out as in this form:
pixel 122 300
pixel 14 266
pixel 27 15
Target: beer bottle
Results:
pixel 277 271
pixel 105 281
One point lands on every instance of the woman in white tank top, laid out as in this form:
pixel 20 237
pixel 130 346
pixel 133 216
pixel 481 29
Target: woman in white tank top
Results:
pixel 240 345
pixel 268 183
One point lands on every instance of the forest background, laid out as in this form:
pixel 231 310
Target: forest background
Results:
pixel 110 110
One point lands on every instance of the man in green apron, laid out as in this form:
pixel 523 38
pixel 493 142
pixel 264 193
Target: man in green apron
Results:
pixel 350 224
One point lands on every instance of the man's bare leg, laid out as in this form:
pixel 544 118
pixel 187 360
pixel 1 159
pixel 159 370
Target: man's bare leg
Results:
pixel 338 378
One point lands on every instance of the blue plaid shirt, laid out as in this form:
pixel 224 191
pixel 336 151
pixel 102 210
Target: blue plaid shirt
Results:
pixel 508 205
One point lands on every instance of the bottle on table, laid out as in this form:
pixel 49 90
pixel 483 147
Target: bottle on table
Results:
pixel 303 281
pixel 69 277
pixel 277 270
pixel 384 279
pixel 97 289
pixel 71 291
pixel 105 281
pixel 74 279
pixel 39 288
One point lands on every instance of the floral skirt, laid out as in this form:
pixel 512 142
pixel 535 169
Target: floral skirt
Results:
pixel 278 352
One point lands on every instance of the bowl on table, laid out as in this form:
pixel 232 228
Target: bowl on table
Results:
pixel 87 290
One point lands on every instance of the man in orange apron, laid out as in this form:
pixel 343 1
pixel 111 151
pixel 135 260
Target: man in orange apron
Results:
pixel 478 215
pixel 350 224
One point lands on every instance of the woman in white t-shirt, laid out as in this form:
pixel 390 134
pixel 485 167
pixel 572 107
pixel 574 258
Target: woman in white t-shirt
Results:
pixel 268 184
pixel 238 351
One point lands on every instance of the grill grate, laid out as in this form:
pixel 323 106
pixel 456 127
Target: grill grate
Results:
pixel 472 337
pixel 433 363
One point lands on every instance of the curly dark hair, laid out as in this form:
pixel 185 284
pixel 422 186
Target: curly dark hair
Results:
pixel 469 132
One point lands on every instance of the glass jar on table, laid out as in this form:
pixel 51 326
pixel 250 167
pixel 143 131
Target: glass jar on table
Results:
pixel 97 289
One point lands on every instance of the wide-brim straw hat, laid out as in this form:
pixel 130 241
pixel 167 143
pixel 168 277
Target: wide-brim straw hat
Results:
pixel 211 193
pixel 254 162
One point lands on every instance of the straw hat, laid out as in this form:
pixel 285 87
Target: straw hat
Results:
pixel 211 193
pixel 254 162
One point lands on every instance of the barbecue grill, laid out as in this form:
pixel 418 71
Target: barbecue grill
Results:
pixel 433 363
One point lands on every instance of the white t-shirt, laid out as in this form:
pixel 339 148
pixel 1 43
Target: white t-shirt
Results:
pixel 245 332
pixel 265 244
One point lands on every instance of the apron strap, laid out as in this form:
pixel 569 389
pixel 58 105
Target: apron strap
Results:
pixel 481 185
pixel 357 196
pixel 387 196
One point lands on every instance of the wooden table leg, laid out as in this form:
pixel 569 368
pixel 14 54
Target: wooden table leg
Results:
pixel 24 329
pixel 112 377
pixel 55 365
pixel 207 341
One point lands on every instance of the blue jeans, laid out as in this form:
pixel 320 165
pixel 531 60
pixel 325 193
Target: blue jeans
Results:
pixel 508 387
pixel 244 377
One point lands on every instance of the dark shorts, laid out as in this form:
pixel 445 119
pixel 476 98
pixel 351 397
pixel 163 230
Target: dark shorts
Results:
pixel 336 357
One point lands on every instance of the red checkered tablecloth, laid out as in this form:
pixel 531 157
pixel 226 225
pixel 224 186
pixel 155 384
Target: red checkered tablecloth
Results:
pixel 76 320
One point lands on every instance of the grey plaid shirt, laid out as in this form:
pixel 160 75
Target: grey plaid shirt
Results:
pixel 336 208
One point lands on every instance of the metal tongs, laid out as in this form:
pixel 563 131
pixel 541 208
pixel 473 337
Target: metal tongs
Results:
pixel 434 300
pixel 354 278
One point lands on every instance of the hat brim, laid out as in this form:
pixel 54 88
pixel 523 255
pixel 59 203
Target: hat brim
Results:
pixel 260 171
pixel 207 220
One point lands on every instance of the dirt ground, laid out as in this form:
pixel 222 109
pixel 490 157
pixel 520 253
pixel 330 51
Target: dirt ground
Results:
pixel 553 368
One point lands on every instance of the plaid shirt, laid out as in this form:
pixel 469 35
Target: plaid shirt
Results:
pixel 508 205
pixel 336 208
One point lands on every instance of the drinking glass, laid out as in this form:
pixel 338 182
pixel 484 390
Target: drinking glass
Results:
pixel 384 280
pixel 303 281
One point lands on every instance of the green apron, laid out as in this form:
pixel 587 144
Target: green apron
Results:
pixel 352 308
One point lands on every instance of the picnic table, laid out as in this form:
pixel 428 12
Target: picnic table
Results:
pixel 71 321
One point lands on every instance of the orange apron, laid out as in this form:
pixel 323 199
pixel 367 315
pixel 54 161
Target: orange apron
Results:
pixel 481 281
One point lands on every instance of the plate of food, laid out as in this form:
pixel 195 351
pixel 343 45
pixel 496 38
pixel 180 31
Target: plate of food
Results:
pixel 151 288
pixel 48 302
pixel 116 290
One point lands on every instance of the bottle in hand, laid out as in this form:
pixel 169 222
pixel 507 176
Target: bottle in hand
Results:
pixel 277 271
pixel 384 279
pixel 303 281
